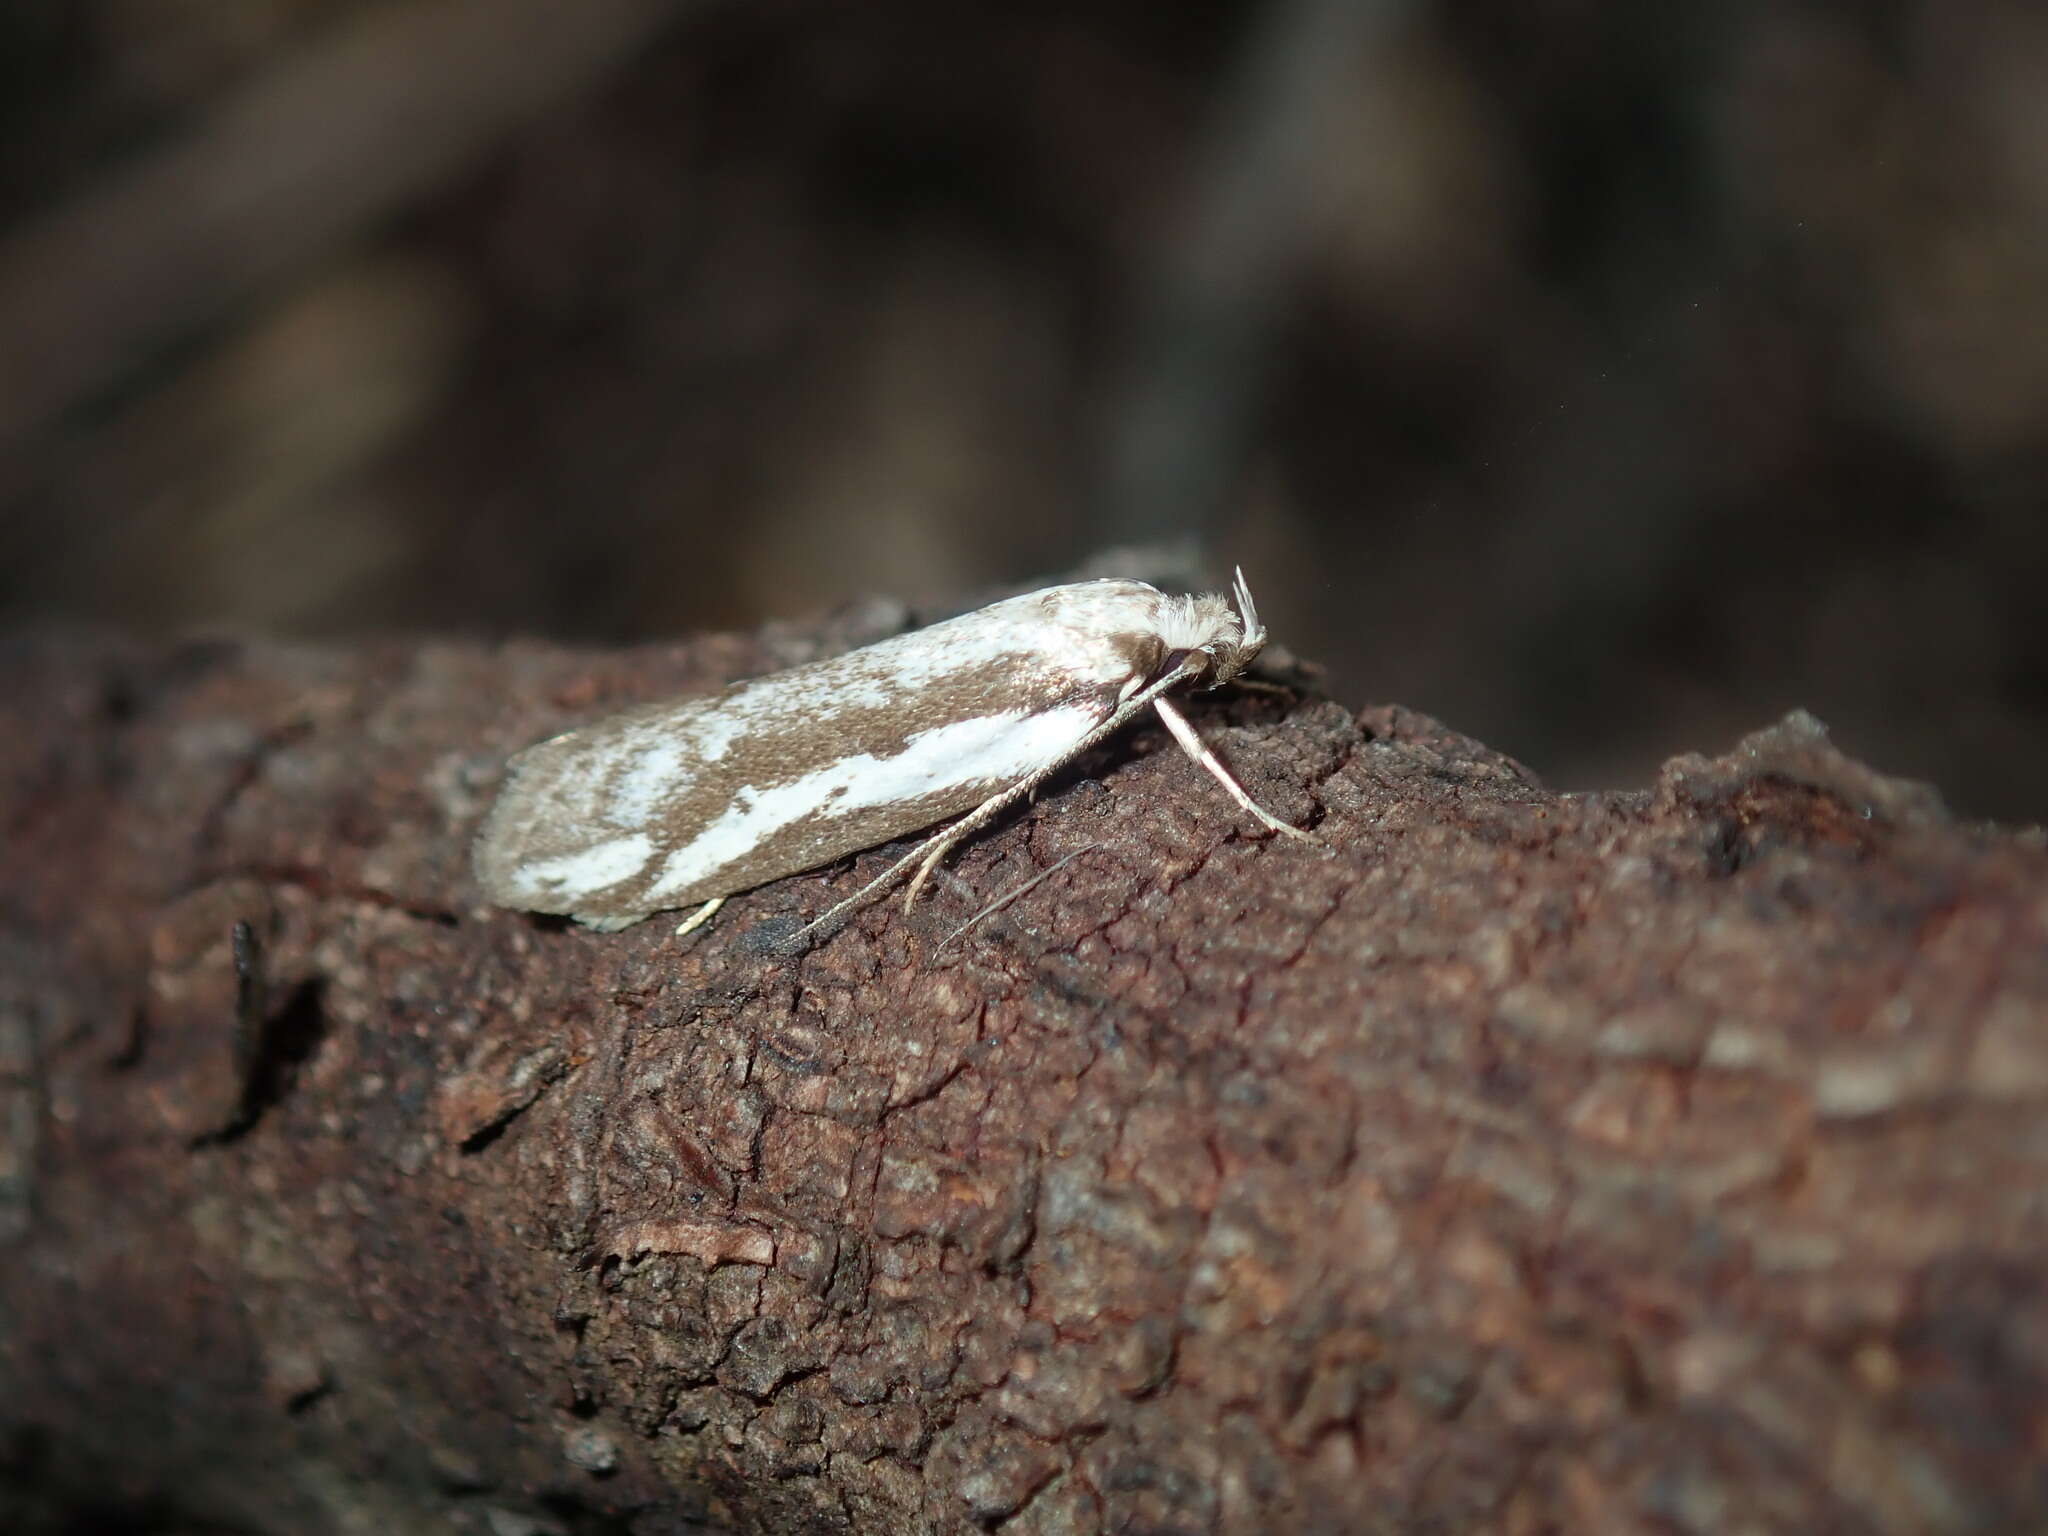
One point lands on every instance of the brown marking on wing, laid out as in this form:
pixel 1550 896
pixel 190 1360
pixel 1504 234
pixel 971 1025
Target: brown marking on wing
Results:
pixel 549 806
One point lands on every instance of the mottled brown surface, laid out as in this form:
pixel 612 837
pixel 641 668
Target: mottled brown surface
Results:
pixel 1661 1161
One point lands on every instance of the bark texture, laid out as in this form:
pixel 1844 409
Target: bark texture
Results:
pixel 1670 1160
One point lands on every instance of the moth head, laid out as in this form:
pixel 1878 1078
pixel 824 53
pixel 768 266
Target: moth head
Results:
pixel 1207 643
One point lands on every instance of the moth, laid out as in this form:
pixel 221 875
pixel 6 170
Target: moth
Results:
pixel 692 801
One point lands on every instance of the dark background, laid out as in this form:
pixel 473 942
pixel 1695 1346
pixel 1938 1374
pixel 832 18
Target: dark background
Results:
pixel 1603 378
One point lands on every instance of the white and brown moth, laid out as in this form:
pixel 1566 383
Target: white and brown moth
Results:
pixel 685 802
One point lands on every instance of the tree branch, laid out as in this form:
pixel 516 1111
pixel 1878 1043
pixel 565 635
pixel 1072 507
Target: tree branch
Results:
pixel 1661 1160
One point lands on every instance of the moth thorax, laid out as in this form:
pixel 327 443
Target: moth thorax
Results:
pixel 1195 623
pixel 1199 637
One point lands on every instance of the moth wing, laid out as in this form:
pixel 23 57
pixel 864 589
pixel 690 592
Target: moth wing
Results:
pixel 843 804
pixel 574 816
pixel 672 805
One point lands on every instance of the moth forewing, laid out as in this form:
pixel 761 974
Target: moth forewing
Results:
pixel 680 804
pixel 926 855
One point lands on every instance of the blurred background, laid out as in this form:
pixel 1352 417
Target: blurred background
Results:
pixel 1604 379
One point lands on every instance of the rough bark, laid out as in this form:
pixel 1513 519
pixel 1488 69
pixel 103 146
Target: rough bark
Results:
pixel 1668 1160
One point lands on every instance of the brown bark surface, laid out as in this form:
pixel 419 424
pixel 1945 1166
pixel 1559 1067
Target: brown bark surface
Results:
pixel 1672 1160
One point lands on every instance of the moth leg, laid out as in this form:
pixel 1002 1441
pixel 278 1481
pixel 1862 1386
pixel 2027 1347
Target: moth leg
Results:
pixel 1192 744
pixel 934 848
pixel 940 846
pixel 872 889
pixel 700 917
pixel 973 822
pixel 1016 891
